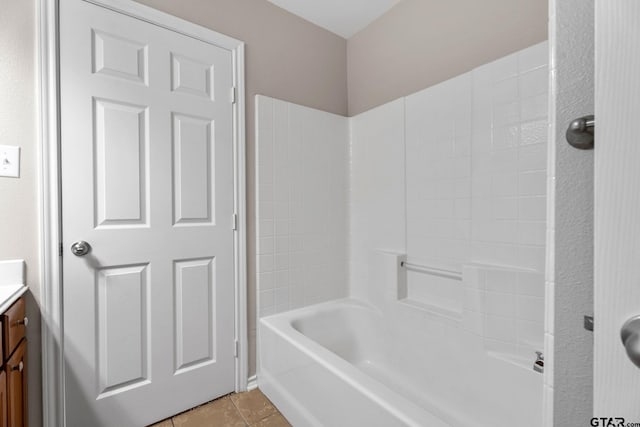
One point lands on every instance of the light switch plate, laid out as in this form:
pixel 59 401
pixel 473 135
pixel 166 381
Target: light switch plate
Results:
pixel 10 161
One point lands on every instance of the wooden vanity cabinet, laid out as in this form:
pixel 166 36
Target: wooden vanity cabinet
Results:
pixel 4 420
pixel 17 387
pixel 14 325
pixel 13 376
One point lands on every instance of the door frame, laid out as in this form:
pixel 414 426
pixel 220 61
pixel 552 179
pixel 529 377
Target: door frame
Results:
pixel 49 192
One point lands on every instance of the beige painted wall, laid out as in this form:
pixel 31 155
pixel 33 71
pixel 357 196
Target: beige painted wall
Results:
pixel 286 58
pixel 19 204
pixel 419 43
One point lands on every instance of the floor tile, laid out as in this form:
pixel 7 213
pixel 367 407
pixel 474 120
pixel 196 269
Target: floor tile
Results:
pixel 218 413
pixel 275 420
pixel 253 406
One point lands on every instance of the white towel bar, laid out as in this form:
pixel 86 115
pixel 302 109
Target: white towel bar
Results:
pixel 449 274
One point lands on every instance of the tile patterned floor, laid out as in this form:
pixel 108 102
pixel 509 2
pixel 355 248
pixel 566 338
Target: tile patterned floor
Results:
pixel 251 409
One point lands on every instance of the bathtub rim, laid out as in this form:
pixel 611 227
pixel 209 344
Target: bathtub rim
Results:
pixel 408 412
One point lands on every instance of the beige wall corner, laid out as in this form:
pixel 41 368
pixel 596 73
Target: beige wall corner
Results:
pixel 419 43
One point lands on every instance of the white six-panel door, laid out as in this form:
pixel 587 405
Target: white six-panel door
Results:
pixel 147 181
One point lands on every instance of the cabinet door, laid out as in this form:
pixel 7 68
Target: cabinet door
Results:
pixel 16 369
pixel 14 322
pixel 3 399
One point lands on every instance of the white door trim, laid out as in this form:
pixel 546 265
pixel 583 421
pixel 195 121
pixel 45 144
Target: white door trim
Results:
pixel 50 237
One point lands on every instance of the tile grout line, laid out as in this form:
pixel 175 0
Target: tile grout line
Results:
pixel 246 423
pixel 258 421
pixel 238 410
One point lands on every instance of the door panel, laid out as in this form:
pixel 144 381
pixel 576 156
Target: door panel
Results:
pixel 116 56
pixel 147 180
pixel 120 163
pixel 193 157
pixel 195 313
pixel 123 329
pixel 191 76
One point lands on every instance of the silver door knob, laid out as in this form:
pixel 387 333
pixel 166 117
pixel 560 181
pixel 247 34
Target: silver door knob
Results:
pixel 18 367
pixel 630 335
pixel 80 248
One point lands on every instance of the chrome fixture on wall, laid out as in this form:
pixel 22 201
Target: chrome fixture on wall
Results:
pixel 588 323
pixel 538 365
pixel 630 335
pixel 580 133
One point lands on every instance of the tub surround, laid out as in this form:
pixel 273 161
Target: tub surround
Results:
pixel 469 158
pixel 445 254
pixel 302 205
pixel 377 199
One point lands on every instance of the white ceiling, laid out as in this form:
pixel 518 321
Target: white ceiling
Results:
pixel 343 17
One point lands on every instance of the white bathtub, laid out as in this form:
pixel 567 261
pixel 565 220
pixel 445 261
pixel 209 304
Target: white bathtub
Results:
pixel 343 363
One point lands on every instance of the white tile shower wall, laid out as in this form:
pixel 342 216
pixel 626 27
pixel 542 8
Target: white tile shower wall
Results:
pixel 438 174
pixel 452 176
pixel 510 109
pixel 302 205
pixel 438 186
pixel 505 307
pixel 476 149
pixel 377 194
pixel 509 175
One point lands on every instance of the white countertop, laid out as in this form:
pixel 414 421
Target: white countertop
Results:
pixel 10 294
pixel 12 284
